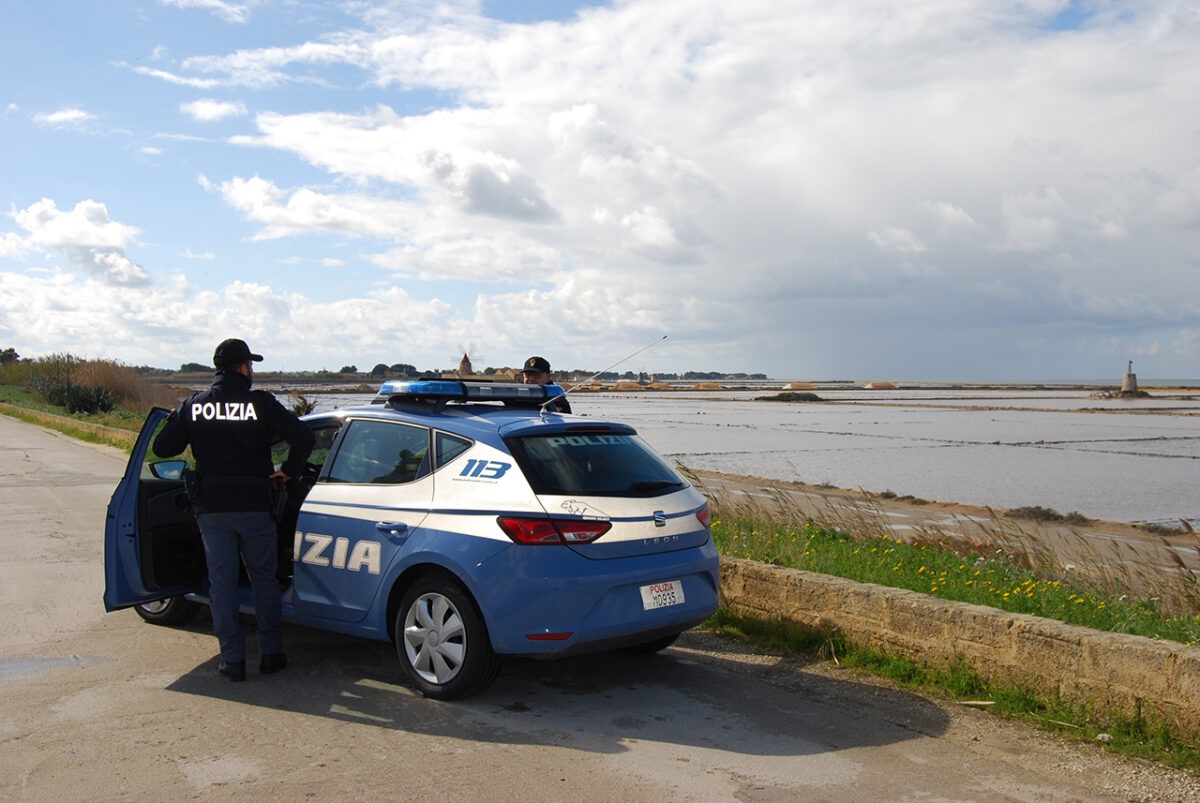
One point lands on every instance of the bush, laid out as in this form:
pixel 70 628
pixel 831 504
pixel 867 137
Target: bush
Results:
pixel 76 398
pixel 87 386
pixel 1035 513
pixel 88 400
pixel 791 396
pixel 303 404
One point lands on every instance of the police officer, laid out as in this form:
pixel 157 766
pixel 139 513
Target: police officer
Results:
pixel 230 429
pixel 537 372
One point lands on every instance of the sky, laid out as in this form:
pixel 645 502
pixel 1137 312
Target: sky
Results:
pixel 869 189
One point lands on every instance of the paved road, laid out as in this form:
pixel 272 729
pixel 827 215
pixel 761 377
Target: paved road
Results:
pixel 103 707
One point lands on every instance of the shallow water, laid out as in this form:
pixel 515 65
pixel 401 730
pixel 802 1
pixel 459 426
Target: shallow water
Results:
pixel 1120 460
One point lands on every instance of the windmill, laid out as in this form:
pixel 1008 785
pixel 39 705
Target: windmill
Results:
pixel 465 368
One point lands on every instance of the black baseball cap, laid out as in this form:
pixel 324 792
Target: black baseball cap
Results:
pixel 233 352
pixel 539 364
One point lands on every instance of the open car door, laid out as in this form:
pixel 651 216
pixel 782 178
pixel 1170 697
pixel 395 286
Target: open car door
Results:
pixel 152 546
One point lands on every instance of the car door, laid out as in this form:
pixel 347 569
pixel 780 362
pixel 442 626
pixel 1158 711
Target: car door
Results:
pixel 373 492
pixel 152 546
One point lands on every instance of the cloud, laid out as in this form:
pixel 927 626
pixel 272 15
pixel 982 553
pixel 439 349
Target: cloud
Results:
pixel 87 237
pixel 237 13
pixel 208 110
pixel 896 238
pixel 305 211
pixel 64 117
pixel 807 183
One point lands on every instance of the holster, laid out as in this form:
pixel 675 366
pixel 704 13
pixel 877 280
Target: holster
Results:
pixel 279 497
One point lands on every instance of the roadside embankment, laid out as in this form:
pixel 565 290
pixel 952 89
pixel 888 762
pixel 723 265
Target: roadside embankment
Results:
pixel 111 435
pixel 1109 674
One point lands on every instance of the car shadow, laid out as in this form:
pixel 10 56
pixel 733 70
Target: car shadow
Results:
pixel 696 693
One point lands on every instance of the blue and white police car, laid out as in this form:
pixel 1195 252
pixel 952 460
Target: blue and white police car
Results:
pixel 461 521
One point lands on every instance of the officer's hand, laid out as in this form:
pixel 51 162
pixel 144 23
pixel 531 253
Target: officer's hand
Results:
pixel 278 478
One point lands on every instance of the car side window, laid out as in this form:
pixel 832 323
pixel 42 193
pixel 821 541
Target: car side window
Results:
pixel 381 452
pixel 449 447
pixel 323 437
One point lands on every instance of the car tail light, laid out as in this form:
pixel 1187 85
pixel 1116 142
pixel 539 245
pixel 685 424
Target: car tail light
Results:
pixel 705 516
pixel 540 532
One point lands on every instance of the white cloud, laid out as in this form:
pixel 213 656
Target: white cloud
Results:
pixel 1034 219
pixel 14 246
pixel 896 238
pixel 207 110
pixel 1187 344
pixel 754 174
pixel 230 12
pixel 64 117
pixel 87 237
pixel 306 211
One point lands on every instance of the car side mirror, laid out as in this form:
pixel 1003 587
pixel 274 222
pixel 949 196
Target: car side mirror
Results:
pixel 168 469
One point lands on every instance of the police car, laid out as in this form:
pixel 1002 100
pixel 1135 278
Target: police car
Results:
pixel 462 521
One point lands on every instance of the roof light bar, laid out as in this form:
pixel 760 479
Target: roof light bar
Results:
pixel 461 390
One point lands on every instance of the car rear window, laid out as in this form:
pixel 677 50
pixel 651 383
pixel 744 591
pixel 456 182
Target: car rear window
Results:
pixel 595 464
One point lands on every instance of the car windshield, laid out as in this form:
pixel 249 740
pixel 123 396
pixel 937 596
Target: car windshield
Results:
pixel 596 464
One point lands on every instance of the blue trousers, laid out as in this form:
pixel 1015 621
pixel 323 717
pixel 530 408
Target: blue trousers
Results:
pixel 252 535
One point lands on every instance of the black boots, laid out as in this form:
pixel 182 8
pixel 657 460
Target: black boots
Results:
pixel 272 663
pixel 267 665
pixel 234 670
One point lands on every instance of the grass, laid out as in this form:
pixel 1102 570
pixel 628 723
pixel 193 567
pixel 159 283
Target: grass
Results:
pixel 997 579
pixel 1001 568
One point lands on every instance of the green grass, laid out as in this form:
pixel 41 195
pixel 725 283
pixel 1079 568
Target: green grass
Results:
pixel 997 579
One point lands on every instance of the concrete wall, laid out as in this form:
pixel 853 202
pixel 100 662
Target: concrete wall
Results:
pixel 1107 673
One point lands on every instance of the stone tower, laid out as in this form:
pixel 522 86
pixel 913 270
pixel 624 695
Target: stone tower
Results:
pixel 1129 381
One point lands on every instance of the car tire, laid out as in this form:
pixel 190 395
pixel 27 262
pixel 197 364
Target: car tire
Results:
pixel 442 641
pixel 652 646
pixel 169 611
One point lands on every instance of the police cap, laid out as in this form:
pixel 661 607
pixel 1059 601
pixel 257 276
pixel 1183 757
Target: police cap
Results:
pixel 234 352
pixel 538 365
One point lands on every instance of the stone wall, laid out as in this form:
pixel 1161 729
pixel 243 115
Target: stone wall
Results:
pixel 1106 673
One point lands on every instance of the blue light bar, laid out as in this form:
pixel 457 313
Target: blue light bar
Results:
pixel 457 390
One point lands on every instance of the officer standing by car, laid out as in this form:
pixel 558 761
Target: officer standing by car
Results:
pixel 537 372
pixel 230 429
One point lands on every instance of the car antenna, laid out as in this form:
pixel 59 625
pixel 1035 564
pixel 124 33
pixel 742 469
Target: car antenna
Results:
pixel 545 404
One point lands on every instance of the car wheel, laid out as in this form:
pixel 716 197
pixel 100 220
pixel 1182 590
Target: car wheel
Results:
pixel 653 646
pixel 442 641
pixel 169 611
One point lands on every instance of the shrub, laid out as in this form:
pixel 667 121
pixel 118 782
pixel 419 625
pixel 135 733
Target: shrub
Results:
pixel 1036 513
pixel 87 386
pixel 303 404
pixel 790 396
pixel 88 400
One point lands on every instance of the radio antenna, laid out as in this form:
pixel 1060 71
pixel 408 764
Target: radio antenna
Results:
pixel 602 370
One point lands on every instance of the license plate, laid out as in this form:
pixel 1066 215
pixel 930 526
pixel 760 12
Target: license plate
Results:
pixel 662 595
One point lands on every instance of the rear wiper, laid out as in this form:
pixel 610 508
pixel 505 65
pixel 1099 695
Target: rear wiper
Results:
pixel 654 485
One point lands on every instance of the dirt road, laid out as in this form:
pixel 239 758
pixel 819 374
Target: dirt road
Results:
pixel 104 707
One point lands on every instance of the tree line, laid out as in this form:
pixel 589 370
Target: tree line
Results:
pixel 401 370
